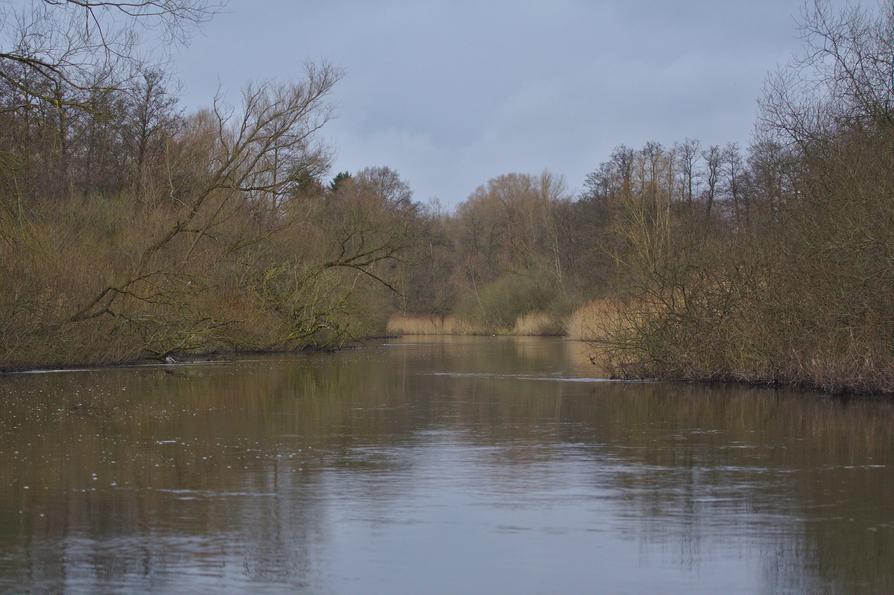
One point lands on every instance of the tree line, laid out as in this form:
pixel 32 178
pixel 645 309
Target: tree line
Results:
pixel 768 264
pixel 129 227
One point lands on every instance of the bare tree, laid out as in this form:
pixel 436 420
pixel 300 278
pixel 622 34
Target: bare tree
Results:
pixel 713 158
pixel 842 79
pixel 53 49
pixel 259 154
pixel 151 109
pixel 734 171
pixel 689 153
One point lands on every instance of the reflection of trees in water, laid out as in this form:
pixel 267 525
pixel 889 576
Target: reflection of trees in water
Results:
pixel 782 473
pixel 785 474
pixel 254 448
pixel 231 458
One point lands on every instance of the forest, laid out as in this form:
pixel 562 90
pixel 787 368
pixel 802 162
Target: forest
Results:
pixel 131 228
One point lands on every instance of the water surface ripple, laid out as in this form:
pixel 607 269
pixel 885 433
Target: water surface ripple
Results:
pixel 474 465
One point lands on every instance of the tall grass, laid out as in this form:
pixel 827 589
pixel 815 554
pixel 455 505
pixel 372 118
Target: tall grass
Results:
pixel 418 324
pixel 593 321
pixel 538 323
pixel 535 323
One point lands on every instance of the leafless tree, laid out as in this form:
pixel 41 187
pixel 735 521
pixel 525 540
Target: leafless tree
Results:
pixel 734 172
pixel 53 49
pixel 843 78
pixel 258 154
pixel 713 162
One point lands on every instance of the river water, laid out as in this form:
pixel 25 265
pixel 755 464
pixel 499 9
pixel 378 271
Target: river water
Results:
pixel 439 465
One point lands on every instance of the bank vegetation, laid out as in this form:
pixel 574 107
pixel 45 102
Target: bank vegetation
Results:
pixel 130 228
pixel 770 264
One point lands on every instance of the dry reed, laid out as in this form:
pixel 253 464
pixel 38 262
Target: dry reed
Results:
pixel 592 321
pixel 418 324
pixel 538 324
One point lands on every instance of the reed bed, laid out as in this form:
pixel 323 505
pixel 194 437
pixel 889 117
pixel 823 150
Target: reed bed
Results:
pixel 419 324
pixel 542 324
pixel 592 321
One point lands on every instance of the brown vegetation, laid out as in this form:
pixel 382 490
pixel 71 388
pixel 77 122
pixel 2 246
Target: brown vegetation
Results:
pixel 769 265
pixel 593 321
pixel 403 324
pixel 157 232
pixel 538 324
pixel 779 271
pixel 129 229
pixel 516 257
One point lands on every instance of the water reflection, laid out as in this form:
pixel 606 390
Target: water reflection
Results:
pixel 437 465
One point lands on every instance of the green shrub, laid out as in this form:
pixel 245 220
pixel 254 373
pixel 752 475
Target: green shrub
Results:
pixel 501 302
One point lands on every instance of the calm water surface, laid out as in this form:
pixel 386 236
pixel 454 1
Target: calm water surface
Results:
pixel 437 466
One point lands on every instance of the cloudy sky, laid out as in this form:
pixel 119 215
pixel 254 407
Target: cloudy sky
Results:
pixel 453 92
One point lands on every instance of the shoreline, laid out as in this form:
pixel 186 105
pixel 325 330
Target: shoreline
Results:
pixel 719 380
pixel 190 358
pixel 222 355
pixel 215 355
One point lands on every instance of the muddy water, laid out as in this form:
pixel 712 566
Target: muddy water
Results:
pixel 436 465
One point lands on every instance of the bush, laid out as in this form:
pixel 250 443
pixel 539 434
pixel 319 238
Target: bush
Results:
pixel 500 303
pixel 541 324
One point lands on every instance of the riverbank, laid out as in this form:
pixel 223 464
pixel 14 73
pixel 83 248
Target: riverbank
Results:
pixel 171 360
pixel 589 322
pixel 621 338
pixel 584 351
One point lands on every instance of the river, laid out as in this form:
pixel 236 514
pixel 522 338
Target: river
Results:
pixel 437 465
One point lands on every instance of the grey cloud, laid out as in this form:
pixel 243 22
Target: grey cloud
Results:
pixel 452 93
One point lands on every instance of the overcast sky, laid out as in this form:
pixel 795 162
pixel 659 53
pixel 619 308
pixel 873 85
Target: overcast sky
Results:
pixel 452 93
